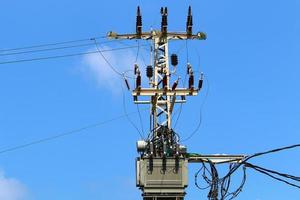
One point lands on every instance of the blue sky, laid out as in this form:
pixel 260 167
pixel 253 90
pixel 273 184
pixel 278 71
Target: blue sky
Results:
pixel 250 60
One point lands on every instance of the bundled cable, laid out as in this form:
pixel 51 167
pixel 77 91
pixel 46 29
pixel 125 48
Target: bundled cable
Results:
pixel 219 187
pixel 275 175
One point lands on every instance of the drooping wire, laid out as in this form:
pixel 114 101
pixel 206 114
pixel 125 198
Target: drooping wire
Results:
pixel 105 59
pixel 218 187
pixel 127 116
pixel 122 76
pixel 184 81
pixel 200 113
pixel 137 105
pixel 67 133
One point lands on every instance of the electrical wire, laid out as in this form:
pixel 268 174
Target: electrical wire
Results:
pixel 218 187
pixel 137 105
pixel 52 49
pixel 184 81
pixel 51 44
pixel 54 137
pixel 271 172
pixel 238 165
pixel 127 116
pixel 200 113
pixel 107 62
pixel 64 56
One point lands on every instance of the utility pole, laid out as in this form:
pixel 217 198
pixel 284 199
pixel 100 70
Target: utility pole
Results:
pixel 162 167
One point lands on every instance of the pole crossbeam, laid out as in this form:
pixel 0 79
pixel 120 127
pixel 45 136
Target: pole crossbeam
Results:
pixel 156 34
pixel 216 158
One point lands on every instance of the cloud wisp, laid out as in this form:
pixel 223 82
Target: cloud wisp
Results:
pixel 11 189
pixel 95 66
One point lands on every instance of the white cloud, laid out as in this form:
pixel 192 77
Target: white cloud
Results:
pixel 11 189
pixel 96 67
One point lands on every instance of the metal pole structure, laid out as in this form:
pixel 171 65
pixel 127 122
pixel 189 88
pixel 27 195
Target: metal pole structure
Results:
pixel 161 168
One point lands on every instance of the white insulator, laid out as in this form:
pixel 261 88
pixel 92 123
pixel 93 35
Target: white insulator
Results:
pixel 182 149
pixel 141 145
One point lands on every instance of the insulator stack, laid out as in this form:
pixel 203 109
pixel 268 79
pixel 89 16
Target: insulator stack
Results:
pixel 188 68
pixel 191 80
pixel 149 71
pixel 189 23
pixel 164 20
pixel 138 81
pixel 138 22
pixel 200 83
pixel 174 59
pixel 165 81
pixel 136 69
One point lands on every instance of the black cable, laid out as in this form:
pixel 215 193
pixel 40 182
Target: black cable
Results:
pixel 196 178
pixel 54 137
pixel 63 56
pixel 295 178
pixel 258 154
pixel 270 175
pixel 51 44
pixel 239 189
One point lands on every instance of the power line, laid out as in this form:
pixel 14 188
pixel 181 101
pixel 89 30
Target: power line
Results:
pixel 51 44
pixel 56 48
pixel 63 56
pixel 48 49
pixel 238 165
pixel 271 173
pixel 54 137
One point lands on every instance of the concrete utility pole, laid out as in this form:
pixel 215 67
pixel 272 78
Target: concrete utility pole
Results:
pixel 162 168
